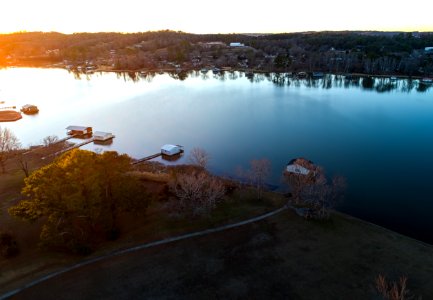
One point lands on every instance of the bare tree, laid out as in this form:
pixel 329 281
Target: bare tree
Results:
pixel 299 181
pixel 8 143
pixel 312 188
pixel 259 171
pixel 393 290
pixel 199 157
pixel 322 196
pixel 49 140
pixel 23 164
pixel 196 193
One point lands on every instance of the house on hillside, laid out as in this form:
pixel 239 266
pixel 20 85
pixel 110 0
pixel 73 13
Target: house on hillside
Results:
pixel 299 166
pixel 237 45
pixel 428 50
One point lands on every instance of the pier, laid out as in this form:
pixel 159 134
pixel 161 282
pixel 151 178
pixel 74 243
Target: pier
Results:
pixel 146 158
pixel 65 139
pixel 70 148
pixel 54 143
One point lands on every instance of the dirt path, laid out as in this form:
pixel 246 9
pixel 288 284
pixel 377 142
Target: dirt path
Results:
pixel 139 247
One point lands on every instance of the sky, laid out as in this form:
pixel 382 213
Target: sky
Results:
pixel 222 16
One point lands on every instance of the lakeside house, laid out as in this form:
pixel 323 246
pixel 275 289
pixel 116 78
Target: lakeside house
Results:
pixel 428 49
pixel 237 45
pixel 299 166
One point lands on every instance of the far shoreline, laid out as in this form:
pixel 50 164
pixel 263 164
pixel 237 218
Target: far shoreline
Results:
pixel 108 69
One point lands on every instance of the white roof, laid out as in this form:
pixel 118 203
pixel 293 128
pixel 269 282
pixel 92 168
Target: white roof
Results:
pixel 29 106
pixel 295 168
pixel 169 147
pixel 78 128
pixel 101 133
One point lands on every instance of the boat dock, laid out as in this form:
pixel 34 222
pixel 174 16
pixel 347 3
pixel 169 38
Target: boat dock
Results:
pixel 54 143
pixel 64 139
pixel 70 148
pixel 138 161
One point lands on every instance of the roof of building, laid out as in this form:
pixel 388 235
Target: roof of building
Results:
pixel 169 147
pixel 101 133
pixel 29 106
pixel 300 160
pixel 77 128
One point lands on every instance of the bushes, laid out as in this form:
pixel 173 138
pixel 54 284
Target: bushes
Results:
pixel 8 245
pixel 197 193
pixel 393 290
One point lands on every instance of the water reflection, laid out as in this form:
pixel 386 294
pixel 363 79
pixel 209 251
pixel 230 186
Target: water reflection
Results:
pixel 327 81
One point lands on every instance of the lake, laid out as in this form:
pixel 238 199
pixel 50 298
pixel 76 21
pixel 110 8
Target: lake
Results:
pixel 377 133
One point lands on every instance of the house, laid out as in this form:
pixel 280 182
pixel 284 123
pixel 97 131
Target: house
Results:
pixel 78 130
pixel 237 45
pixel 299 166
pixel 428 49
pixel 170 150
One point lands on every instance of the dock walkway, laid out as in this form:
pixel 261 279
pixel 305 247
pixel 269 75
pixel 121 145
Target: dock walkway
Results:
pixel 138 161
pixel 53 143
pixel 70 148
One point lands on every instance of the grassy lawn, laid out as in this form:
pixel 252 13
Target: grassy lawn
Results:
pixel 283 257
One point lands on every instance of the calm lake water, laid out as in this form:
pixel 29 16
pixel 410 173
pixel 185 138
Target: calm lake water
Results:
pixel 377 133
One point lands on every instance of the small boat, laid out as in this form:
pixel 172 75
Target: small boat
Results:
pixel 393 78
pixel 216 70
pixel 30 109
pixel 204 70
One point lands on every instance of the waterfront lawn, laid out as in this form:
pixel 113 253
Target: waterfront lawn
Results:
pixel 284 257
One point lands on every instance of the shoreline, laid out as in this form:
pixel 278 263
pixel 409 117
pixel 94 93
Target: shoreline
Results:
pixel 382 228
pixel 108 69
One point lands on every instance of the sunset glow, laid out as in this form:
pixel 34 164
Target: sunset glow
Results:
pixel 218 17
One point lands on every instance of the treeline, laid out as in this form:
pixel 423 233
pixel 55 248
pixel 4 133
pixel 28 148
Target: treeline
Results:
pixel 363 52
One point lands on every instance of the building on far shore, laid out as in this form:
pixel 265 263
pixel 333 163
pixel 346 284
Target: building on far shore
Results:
pixel 237 45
